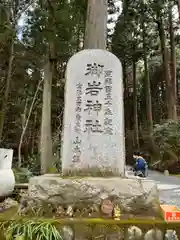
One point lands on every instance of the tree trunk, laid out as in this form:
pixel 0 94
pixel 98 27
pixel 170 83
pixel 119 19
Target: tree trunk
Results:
pixel 178 6
pixel 136 128
pixel 173 93
pixel 46 137
pixel 96 25
pixel 147 83
pixel 26 125
pixel 34 134
pixel 164 53
pixel 7 88
pixel 126 96
pixel 46 153
pixel 78 37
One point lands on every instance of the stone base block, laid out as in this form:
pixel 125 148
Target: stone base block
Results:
pixel 84 196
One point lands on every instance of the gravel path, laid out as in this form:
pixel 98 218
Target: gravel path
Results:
pixel 169 187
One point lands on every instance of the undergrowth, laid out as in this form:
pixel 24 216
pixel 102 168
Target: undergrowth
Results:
pixel 31 230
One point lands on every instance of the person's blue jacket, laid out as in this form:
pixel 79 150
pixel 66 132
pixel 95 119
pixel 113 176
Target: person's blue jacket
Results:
pixel 141 164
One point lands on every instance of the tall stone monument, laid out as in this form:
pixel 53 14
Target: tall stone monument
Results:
pixel 93 139
pixel 93 148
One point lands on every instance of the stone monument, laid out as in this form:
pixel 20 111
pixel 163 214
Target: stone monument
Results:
pixel 7 179
pixel 93 141
pixel 93 151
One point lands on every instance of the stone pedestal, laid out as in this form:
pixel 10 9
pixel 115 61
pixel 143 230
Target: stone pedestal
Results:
pixel 87 194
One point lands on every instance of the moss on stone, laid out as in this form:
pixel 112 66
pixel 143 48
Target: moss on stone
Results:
pixel 92 172
pixel 175 175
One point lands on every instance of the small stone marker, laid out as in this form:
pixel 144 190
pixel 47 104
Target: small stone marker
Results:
pixel 166 172
pixel 93 141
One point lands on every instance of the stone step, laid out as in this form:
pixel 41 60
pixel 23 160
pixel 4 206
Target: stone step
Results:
pixel 21 186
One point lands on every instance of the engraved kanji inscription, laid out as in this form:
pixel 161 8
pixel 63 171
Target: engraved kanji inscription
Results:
pixel 94 69
pixel 77 141
pixel 108 131
pixel 108 112
pixel 108 73
pixel 93 106
pixel 108 89
pixel 108 103
pixel 108 77
pixel 78 109
pixel 93 127
pixel 76 150
pixel 108 121
pixel 93 88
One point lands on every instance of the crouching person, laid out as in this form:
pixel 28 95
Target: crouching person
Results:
pixel 140 168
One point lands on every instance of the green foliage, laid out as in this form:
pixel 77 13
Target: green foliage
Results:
pixel 32 230
pixel 167 137
pixel 33 164
pixel 22 175
pixel 64 24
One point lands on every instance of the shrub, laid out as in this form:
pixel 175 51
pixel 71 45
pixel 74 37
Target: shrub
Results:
pixel 167 138
pixel 22 175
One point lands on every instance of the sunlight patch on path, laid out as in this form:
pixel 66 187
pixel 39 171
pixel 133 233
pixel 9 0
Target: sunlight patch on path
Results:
pixel 167 186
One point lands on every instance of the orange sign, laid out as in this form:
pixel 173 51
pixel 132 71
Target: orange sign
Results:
pixel 170 213
pixel 172 216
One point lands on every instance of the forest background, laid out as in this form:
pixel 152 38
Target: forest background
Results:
pixel 33 59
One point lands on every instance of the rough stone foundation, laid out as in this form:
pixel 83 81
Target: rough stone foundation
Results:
pixel 83 197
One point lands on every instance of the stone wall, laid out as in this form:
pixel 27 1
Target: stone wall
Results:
pixel 79 229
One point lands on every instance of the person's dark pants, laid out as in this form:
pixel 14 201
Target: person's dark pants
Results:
pixel 140 173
